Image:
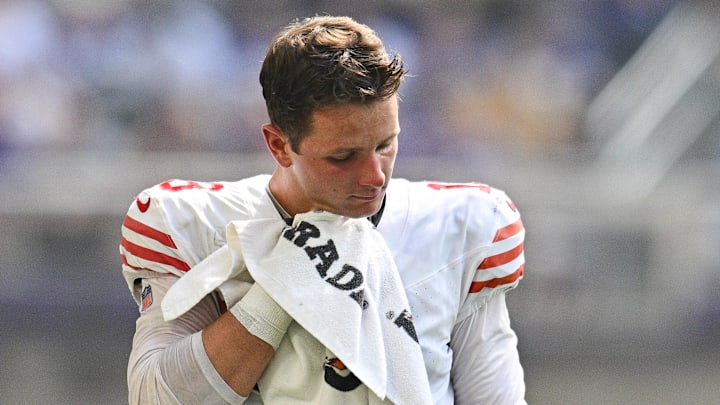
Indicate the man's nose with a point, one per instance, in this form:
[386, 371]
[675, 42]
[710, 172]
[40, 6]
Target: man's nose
[371, 172]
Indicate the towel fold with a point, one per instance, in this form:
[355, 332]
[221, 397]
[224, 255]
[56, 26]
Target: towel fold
[336, 278]
[223, 270]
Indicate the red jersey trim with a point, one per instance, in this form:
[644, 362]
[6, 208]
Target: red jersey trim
[476, 286]
[508, 231]
[126, 263]
[150, 232]
[501, 258]
[152, 255]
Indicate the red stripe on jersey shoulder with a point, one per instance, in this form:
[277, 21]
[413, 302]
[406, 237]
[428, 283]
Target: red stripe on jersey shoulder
[501, 258]
[152, 255]
[508, 231]
[476, 286]
[126, 263]
[150, 232]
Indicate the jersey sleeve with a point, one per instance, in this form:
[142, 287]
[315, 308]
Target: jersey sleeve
[168, 363]
[494, 237]
[486, 364]
[163, 233]
[502, 264]
[168, 229]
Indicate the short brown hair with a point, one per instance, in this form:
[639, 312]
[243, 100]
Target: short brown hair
[323, 61]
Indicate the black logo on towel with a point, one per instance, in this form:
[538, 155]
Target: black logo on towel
[338, 376]
[405, 321]
[348, 278]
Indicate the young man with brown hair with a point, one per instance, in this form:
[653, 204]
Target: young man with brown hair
[454, 249]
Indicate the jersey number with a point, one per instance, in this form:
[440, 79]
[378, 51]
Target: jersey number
[179, 185]
[445, 186]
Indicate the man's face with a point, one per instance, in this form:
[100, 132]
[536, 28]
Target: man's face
[345, 162]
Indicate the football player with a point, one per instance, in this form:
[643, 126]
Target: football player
[331, 94]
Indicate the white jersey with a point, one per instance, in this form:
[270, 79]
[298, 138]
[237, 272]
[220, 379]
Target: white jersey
[457, 247]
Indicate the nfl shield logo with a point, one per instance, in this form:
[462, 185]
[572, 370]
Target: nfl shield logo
[147, 298]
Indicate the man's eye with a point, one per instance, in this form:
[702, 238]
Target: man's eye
[340, 158]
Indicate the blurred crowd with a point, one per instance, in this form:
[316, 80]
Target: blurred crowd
[486, 75]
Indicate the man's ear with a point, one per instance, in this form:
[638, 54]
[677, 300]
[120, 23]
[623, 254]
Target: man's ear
[278, 144]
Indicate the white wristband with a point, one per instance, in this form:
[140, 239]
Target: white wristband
[262, 316]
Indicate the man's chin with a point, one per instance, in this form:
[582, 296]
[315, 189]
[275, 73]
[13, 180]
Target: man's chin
[366, 210]
[358, 207]
[358, 214]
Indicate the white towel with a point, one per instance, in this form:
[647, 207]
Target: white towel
[336, 277]
[215, 271]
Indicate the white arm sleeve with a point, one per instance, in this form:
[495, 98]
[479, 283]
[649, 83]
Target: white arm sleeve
[486, 365]
[168, 363]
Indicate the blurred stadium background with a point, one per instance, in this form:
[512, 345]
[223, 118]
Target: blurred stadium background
[601, 118]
